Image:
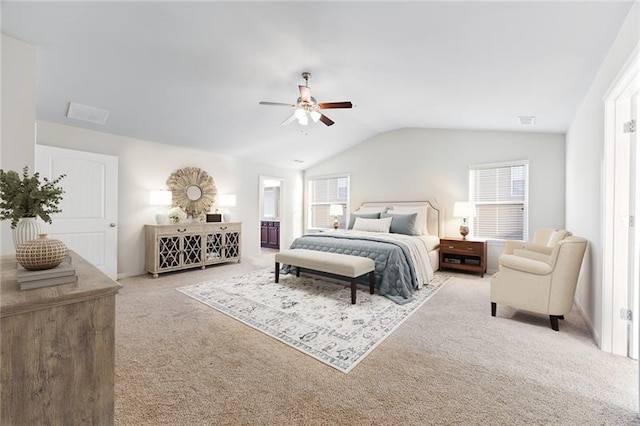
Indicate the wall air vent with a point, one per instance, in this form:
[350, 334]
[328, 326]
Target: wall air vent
[87, 113]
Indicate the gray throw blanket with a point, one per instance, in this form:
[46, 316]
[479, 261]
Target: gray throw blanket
[395, 273]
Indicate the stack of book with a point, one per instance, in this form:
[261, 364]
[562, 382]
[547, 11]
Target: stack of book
[64, 273]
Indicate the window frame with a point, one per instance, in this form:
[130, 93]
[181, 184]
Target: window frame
[525, 201]
[309, 204]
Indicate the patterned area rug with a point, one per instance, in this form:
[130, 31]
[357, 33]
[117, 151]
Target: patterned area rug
[312, 315]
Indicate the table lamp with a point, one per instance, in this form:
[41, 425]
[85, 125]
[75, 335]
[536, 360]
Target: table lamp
[464, 210]
[226, 200]
[162, 199]
[335, 210]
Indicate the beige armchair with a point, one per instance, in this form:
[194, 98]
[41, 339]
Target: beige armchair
[543, 241]
[546, 285]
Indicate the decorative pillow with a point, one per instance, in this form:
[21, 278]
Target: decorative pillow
[353, 216]
[372, 225]
[421, 219]
[367, 210]
[403, 223]
[557, 236]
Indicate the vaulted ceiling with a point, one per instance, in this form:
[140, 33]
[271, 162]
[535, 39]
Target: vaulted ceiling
[192, 73]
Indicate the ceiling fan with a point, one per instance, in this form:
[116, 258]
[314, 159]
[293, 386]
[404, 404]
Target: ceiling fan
[306, 106]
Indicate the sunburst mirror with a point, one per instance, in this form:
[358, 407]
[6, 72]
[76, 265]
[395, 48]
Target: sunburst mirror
[193, 190]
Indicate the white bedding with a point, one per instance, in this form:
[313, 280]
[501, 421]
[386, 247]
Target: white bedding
[419, 248]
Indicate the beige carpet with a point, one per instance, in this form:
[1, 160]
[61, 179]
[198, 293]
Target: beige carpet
[179, 362]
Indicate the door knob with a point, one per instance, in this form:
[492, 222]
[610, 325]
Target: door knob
[113, 225]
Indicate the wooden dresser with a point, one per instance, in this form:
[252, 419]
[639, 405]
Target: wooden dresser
[188, 245]
[58, 349]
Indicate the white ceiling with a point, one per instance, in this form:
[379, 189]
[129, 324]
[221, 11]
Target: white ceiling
[192, 73]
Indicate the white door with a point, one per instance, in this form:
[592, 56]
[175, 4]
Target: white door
[88, 222]
[634, 235]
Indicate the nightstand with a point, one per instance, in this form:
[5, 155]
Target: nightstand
[463, 255]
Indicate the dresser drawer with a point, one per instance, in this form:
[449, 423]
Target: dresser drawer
[179, 229]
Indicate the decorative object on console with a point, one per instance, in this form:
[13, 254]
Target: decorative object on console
[464, 210]
[27, 197]
[193, 190]
[214, 217]
[161, 199]
[335, 210]
[176, 215]
[226, 200]
[42, 253]
[27, 229]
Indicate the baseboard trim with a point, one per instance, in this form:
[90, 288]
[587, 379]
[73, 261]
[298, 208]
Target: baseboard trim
[587, 320]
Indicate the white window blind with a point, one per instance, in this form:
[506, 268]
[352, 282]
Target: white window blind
[323, 192]
[500, 192]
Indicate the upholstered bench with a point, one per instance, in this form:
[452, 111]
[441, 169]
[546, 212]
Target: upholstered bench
[332, 263]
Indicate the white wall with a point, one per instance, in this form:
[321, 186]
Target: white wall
[146, 165]
[17, 143]
[585, 153]
[425, 164]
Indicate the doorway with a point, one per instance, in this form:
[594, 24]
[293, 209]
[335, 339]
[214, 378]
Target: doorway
[621, 233]
[270, 208]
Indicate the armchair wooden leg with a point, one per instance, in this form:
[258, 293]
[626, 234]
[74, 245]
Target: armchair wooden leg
[493, 309]
[554, 322]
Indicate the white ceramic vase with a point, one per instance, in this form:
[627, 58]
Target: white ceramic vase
[27, 229]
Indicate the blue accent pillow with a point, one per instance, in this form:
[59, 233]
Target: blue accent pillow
[403, 223]
[352, 217]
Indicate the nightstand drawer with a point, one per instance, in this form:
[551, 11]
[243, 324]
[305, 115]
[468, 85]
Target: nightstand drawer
[463, 247]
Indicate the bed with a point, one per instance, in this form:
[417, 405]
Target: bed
[402, 238]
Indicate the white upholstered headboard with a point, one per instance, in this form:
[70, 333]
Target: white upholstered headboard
[435, 217]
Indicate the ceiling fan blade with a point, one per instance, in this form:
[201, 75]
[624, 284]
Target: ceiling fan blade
[289, 119]
[326, 120]
[305, 93]
[276, 104]
[330, 105]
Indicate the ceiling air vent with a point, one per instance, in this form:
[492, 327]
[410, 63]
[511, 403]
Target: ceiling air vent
[527, 120]
[87, 113]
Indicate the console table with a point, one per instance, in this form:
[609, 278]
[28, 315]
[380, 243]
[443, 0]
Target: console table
[189, 245]
[57, 349]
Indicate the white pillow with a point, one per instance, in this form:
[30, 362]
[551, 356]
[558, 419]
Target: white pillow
[366, 210]
[421, 219]
[556, 236]
[372, 225]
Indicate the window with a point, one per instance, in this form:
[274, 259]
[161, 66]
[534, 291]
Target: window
[500, 192]
[322, 192]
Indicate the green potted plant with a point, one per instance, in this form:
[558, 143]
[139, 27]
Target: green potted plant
[28, 197]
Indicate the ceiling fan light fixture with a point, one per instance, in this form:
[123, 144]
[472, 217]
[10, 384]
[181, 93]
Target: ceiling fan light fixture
[299, 113]
[304, 120]
[315, 115]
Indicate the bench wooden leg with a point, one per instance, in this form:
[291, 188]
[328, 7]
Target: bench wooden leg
[277, 271]
[372, 282]
[353, 291]
[297, 271]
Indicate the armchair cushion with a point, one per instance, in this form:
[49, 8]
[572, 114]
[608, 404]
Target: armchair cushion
[534, 255]
[526, 265]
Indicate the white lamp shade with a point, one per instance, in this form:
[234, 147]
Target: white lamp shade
[335, 210]
[464, 209]
[315, 115]
[226, 200]
[160, 198]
